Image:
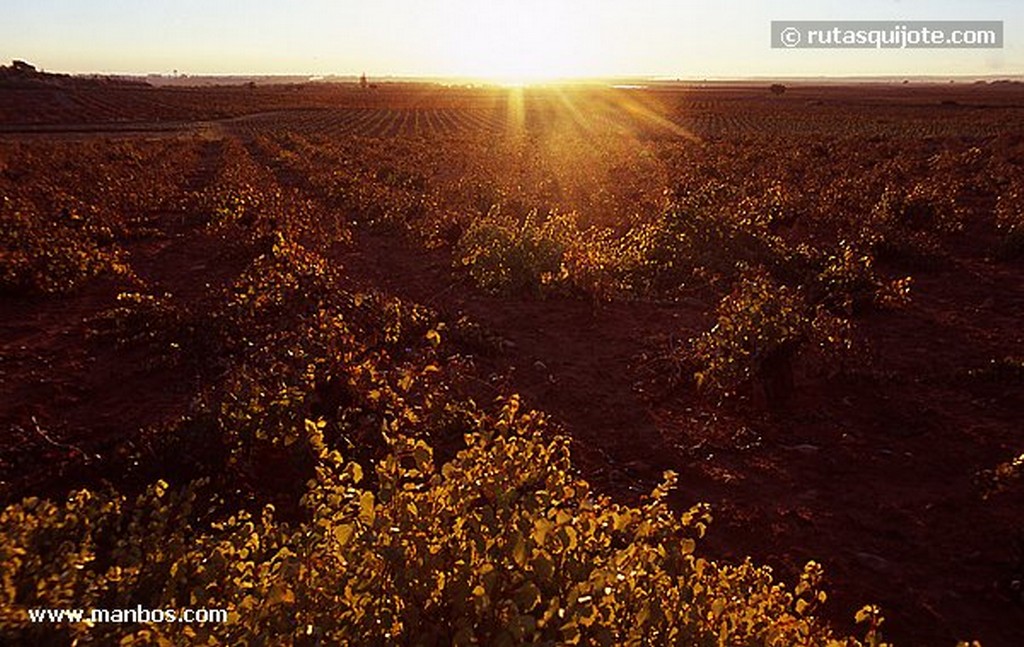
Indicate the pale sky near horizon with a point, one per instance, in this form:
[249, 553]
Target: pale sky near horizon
[477, 38]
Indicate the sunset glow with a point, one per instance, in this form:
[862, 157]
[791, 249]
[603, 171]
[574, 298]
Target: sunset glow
[506, 42]
[527, 42]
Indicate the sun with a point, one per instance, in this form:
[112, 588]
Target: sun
[525, 42]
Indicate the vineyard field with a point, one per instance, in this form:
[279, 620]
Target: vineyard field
[808, 305]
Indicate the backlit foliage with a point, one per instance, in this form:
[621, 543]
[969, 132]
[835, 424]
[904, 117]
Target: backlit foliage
[907, 224]
[52, 255]
[762, 327]
[848, 283]
[501, 545]
[507, 255]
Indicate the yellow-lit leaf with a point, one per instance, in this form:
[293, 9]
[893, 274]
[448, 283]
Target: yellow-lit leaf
[280, 594]
[367, 514]
[343, 533]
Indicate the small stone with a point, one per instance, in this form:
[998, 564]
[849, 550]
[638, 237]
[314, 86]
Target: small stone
[874, 562]
[805, 448]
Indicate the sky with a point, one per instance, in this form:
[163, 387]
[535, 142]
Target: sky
[515, 39]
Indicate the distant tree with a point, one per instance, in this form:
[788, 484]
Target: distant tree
[362, 81]
[777, 88]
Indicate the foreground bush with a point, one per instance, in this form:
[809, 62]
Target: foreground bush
[508, 255]
[909, 224]
[501, 546]
[40, 255]
[762, 327]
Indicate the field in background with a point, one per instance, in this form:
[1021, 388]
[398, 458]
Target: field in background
[808, 304]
